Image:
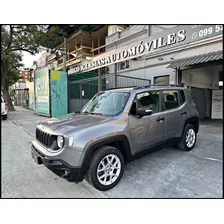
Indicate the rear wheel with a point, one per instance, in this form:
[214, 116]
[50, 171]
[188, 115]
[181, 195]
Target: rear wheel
[4, 117]
[106, 168]
[188, 139]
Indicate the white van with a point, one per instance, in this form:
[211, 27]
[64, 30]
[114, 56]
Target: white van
[4, 110]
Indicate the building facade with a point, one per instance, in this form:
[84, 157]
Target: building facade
[167, 54]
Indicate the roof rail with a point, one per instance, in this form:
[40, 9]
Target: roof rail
[148, 86]
[121, 87]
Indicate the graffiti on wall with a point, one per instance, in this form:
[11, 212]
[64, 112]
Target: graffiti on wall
[59, 100]
[58, 96]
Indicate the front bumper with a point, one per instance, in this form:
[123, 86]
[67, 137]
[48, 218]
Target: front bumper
[59, 167]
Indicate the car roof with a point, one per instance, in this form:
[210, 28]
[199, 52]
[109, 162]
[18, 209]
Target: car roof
[119, 89]
[145, 88]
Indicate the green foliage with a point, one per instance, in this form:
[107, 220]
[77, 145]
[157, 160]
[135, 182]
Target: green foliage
[18, 38]
[29, 38]
[14, 63]
[52, 37]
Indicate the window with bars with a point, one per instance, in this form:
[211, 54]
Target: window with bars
[161, 80]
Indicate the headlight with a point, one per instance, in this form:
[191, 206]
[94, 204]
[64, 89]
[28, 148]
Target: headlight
[60, 141]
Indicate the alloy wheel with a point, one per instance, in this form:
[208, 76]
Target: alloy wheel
[109, 169]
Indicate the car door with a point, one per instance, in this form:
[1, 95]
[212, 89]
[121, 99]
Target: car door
[146, 131]
[175, 111]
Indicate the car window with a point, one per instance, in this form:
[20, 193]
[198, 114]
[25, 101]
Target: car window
[149, 99]
[170, 99]
[182, 96]
[107, 103]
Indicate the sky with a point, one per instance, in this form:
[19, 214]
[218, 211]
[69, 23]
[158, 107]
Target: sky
[29, 58]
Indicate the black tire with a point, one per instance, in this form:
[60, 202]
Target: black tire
[183, 145]
[91, 175]
[4, 117]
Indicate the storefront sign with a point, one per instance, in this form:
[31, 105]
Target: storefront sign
[42, 91]
[172, 37]
[217, 104]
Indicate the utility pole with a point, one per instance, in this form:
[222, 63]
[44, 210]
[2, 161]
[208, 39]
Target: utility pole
[99, 75]
[65, 54]
[115, 76]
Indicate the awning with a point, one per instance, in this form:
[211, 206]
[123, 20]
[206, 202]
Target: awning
[197, 59]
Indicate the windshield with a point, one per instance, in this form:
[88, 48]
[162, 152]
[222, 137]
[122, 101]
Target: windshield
[107, 103]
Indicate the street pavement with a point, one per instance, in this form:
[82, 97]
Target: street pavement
[168, 173]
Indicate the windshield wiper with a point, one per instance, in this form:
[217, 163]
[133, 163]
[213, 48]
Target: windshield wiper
[92, 113]
[96, 113]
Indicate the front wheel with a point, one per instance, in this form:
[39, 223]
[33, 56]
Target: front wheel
[188, 138]
[106, 168]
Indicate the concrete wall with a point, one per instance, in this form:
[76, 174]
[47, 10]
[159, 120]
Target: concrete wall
[126, 81]
[134, 32]
[165, 58]
[160, 28]
[155, 64]
[207, 77]
[150, 72]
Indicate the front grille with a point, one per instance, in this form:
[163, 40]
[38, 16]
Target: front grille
[44, 138]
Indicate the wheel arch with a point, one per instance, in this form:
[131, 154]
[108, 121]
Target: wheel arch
[121, 142]
[194, 121]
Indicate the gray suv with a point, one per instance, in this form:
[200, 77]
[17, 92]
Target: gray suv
[113, 128]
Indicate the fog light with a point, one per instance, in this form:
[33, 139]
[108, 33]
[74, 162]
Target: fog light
[56, 163]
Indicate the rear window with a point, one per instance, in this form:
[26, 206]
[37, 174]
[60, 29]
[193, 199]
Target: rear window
[170, 99]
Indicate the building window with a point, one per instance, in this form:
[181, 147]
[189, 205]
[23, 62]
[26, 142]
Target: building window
[170, 99]
[162, 80]
[124, 65]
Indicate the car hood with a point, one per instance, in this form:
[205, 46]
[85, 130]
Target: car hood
[64, 124]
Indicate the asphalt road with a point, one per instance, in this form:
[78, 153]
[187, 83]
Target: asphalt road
[168, 173]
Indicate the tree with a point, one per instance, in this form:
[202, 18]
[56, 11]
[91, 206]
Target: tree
[19, 38]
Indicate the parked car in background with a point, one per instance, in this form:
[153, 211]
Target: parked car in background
[4, 110]
[113, 128]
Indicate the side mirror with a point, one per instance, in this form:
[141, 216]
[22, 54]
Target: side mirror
[141, 112]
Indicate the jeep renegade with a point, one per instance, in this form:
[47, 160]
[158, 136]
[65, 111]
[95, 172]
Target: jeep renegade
[113, 128]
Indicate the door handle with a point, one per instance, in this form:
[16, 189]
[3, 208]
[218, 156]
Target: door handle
[160, 119]
[183, 113]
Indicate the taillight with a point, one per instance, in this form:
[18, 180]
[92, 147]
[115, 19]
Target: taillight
[6, 106]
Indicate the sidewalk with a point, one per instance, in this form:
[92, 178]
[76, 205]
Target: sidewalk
[25, 119]
[21, 176]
